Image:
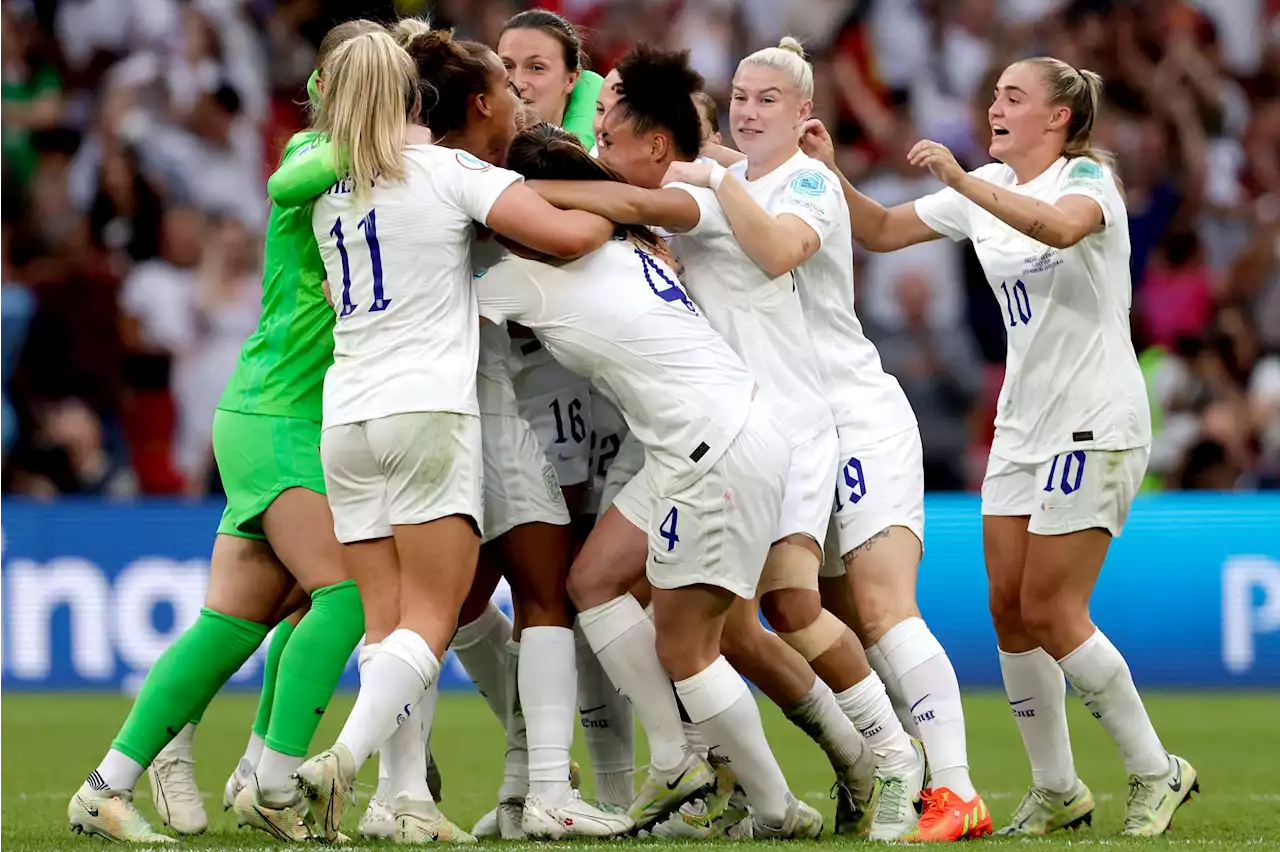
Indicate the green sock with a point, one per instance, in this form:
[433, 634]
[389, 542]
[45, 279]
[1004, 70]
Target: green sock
[184, 680]
[269, 671]
[311, 664]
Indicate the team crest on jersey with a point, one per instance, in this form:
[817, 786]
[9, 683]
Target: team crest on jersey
[809, 183]
[475, 164]
[552, 482]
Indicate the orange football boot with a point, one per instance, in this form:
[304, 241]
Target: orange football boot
[945, 817]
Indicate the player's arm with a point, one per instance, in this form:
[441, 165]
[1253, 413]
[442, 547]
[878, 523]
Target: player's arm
[673, 209]
[522, 215]
[301, 178]
[1061, 224]
[722, 155]
[875, 227]
[775, 243]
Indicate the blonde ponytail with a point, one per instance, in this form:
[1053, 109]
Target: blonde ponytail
[370, 87]
[789, 58]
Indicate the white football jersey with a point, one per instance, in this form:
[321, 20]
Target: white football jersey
[761, 318]
[1072, 380]
[495, 392]
[399, 268]
[619, 316]
[866, 401]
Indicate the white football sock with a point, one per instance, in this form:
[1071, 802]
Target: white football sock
[693, 736]
[928, 682]
[116, 772]
[548, 681]
[405, 757]
[481, 647]
[607, 726]
[252, 752]
[624, 640]
[819, 716]
[867, 705]
[515, 767]
[391, 683]
[276, 788]
[901, 707]
[1037, 696]
[1102, 677]
[720, 704]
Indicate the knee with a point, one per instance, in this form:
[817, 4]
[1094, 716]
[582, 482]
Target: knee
[738, 641]
[789, 610]
[1046, 616]
[1006, 610]
[585, 589]
[679, 660]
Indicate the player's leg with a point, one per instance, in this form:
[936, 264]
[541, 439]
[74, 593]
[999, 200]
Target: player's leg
[428, 466]
[1033, 683]
[880, 572]
[708, 543]
[608, 725]
[623, 639]
[1085, 503]
[243, 772]
[247, 586]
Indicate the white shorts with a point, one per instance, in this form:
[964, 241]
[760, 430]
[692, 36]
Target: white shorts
[1073, 491]
[520, 485]
[878, 486]
[717, 530]
[627, 467]
[806, 505]
[403, 469]
[608, 429]
[557, 404]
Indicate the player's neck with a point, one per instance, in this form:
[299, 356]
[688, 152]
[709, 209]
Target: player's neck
[476, 142]
[1031, 164]
[765, 165]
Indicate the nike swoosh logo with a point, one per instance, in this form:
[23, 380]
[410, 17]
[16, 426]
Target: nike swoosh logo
[93, 812]
[319, 711]
[671, 785]
[1068, 802]
[917, 704]
[1176, 784]
[272, 828]
[591, 710]
[1020, 701]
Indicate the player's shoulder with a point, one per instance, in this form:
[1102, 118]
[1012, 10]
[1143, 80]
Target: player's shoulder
[809, 177]
[300, 143]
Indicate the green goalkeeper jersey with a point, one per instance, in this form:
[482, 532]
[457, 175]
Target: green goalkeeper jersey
[282, 364]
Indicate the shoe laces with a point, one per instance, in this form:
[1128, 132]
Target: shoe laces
[933, 804]
[893, 800]
[1140, 791]
[179, 778]
[1034, 799]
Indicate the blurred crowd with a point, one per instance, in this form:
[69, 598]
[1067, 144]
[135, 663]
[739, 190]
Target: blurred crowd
[137, 135]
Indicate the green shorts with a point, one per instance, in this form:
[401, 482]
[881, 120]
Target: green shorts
[259, 456]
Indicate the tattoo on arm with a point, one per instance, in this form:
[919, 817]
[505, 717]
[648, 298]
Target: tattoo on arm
[852, 555]
[1035, 229]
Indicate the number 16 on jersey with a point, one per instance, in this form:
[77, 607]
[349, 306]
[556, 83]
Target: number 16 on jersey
[369, 224]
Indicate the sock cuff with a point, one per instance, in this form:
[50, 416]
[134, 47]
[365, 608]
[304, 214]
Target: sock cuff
[544, 636]
[862, 692]
[711, 691]
[478, 628]
[1094, 665]
[605, 623]
[812, 697]
[249, 631]
[324, 591]
[412, 650]
[366, 654]
[908, 645]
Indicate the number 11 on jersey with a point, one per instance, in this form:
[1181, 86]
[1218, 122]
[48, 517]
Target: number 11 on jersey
[369, 224]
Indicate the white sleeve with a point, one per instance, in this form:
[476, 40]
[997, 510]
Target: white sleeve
[505, 292]
[711, 219]
[946, 212]
[1086, 177]
[814, 198]
[472, 185]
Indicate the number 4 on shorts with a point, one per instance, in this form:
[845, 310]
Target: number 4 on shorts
[667, 529]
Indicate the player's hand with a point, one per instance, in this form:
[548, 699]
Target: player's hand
[328, 294]
[816, 142]
[938, 159]
[694, 174]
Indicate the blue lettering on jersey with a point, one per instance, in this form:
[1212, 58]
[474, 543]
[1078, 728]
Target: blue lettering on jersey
[809, 183]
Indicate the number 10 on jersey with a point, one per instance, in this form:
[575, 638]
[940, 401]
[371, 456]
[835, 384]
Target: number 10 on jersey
[1016, 302]
[369, 224]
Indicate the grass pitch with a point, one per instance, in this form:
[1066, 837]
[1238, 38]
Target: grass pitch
[50, 742]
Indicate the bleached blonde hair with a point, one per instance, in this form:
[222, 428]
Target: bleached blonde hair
[370, 85]
[789, 58]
